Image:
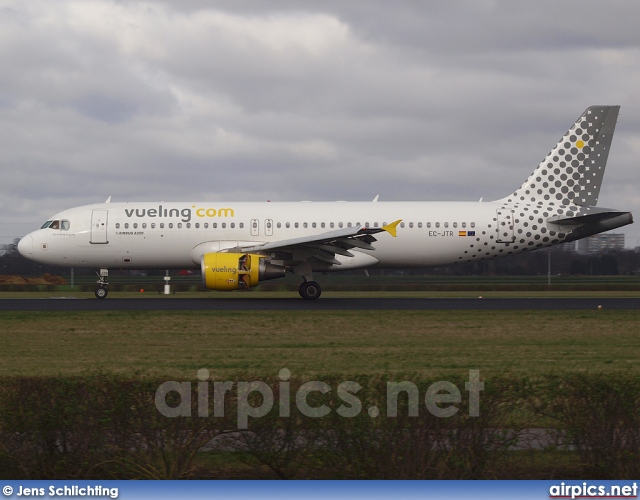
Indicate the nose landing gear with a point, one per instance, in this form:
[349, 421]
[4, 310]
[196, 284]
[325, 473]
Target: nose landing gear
[103, 282]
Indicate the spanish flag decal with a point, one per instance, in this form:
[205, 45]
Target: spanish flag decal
[462, 233]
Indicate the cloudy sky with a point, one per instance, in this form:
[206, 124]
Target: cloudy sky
[294, 100]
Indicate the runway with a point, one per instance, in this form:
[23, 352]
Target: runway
[323, 304]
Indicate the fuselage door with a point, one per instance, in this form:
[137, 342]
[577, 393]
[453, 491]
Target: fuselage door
[268, 227]
[99, 220]
[506, 232]
[255, 227]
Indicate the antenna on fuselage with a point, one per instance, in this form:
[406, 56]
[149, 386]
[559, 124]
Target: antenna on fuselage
[108, 200]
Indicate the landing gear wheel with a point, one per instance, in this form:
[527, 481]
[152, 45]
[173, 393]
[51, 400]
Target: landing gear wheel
[309, 290]
[101, 293]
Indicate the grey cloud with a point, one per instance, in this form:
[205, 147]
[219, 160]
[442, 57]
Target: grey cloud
[311, 100]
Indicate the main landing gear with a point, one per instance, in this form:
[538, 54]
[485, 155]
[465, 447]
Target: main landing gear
[309, 290]
[103, 282]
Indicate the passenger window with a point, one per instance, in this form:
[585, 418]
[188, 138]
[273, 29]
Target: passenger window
[126, 225]
[233, 225]
[411, 225]
[144, 225]
[153, 225]
[214, 225]
[279, 225]
[375, 224]
[241, 225]
[348, 224]
[322, 225]
[197, 226]
[419, 224]
[288, 225]
[340, 224]
[117, 225]
[135, 225]
[473, 224]
[429, 225]
[296, 225]
[437, 224]
[331, 224]
[224, 225]
[188, 225]
[206, 225]
[162, 225]
[313, 225]
[455, 224]
[170, 225]
[402, 224]
[464, 224]
[446, 224]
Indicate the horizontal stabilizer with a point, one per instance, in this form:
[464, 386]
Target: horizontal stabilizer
[585, 219]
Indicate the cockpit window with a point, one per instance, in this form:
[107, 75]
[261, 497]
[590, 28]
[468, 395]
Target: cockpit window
[63, 224]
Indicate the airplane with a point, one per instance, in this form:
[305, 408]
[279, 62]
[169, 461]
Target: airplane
[239, 245]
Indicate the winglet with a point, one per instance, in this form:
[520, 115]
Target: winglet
[391, 228]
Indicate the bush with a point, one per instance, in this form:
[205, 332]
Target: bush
[103, 426]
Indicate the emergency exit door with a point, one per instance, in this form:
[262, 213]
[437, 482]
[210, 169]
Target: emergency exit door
[506, 230]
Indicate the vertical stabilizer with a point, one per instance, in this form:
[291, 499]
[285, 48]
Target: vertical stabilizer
[572, 172]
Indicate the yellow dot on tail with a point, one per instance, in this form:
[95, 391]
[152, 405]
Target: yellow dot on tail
[580, 144]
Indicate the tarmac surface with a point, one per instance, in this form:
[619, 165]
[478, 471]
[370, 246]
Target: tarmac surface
[322, 304]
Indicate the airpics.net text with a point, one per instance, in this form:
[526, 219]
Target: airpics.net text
[256, 399]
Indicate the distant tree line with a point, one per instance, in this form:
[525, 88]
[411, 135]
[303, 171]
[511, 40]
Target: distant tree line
[565, 262]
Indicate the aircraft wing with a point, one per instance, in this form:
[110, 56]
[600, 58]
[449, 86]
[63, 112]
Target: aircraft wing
[324, 246]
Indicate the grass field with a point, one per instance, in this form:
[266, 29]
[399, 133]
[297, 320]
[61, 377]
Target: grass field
[430, 343]
[78, 402]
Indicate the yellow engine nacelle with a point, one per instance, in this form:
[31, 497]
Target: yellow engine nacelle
[236, 271]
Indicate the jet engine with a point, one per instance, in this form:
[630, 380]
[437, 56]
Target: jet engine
[236, 271]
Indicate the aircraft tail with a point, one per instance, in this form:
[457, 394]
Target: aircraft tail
[572, 172]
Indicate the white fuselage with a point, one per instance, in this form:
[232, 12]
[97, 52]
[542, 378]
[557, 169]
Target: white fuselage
[162, 235]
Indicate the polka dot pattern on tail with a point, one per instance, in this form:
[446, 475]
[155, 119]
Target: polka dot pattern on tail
[572, 172]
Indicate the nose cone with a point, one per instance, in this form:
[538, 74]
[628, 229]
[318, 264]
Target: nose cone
[25, 246]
